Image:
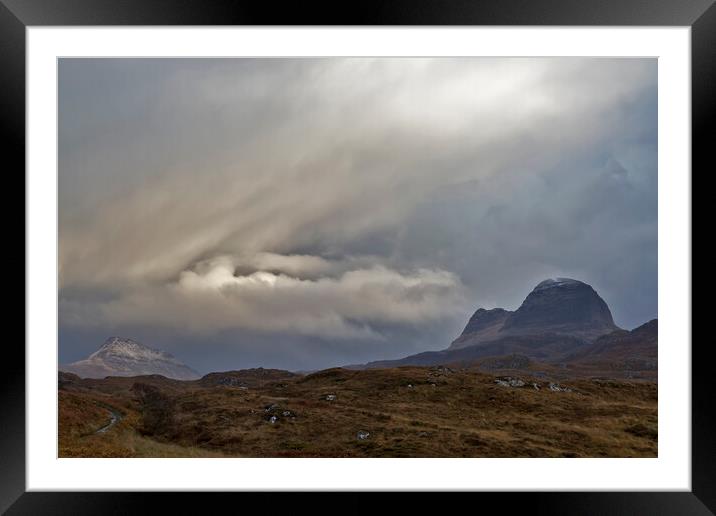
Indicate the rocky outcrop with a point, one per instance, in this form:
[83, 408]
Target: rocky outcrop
[510, 382]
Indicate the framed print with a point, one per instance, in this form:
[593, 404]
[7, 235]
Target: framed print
[445, 248]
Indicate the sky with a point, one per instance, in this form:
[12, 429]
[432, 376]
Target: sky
[305, 213]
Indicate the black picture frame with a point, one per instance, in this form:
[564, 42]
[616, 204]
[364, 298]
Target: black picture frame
[16, 15]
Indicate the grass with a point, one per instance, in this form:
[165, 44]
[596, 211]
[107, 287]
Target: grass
[458, 414]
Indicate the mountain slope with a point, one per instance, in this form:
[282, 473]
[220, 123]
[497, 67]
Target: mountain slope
[546, 347]
[125, 357]
[561, 306]
[484, 325]
[636, 349]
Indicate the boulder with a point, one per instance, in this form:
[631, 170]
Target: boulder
[510, 382]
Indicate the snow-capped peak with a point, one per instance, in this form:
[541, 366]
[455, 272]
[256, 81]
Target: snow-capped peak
[556, 282]
[128, 348]
[120, 356]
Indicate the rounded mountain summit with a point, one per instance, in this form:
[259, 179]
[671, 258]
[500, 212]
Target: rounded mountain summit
[561, 306]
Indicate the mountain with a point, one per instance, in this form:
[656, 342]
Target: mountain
[561, 321]
[636, 349]
[484, 325]
[561, 306]
[548, 347]
[125, 357]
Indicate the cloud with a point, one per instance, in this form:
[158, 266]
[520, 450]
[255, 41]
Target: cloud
[349, 149]
[332, 197]
[211, 298]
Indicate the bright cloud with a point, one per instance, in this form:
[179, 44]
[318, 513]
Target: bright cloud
[212, 298]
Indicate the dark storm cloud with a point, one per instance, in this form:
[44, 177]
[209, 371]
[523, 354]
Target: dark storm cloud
[324, 211]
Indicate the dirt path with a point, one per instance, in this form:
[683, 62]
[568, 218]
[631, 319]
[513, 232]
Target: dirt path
[115, 417]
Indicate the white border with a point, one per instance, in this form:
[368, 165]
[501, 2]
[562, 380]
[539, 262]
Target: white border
[670, 471]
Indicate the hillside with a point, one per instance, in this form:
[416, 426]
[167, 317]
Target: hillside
[398, 412]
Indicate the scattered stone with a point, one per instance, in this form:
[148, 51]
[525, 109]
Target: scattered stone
[558, 388]
[288, 413]
[434, 385]
[271, 407]
[410, 386]
[536, 386]
[330, 397]
[510, 382]
[273, 419]
[362, 435]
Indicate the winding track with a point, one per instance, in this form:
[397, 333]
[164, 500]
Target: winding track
[115, 417]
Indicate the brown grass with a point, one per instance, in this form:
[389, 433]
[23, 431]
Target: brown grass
[443, 414]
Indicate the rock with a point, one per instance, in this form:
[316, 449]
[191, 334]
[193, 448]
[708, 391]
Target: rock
[410, 386]
[536, 386]
[330, 397]
[510, 382]
[362, 435]
[288, 413]
[271, 407]
[273, 419]
[558, 388]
